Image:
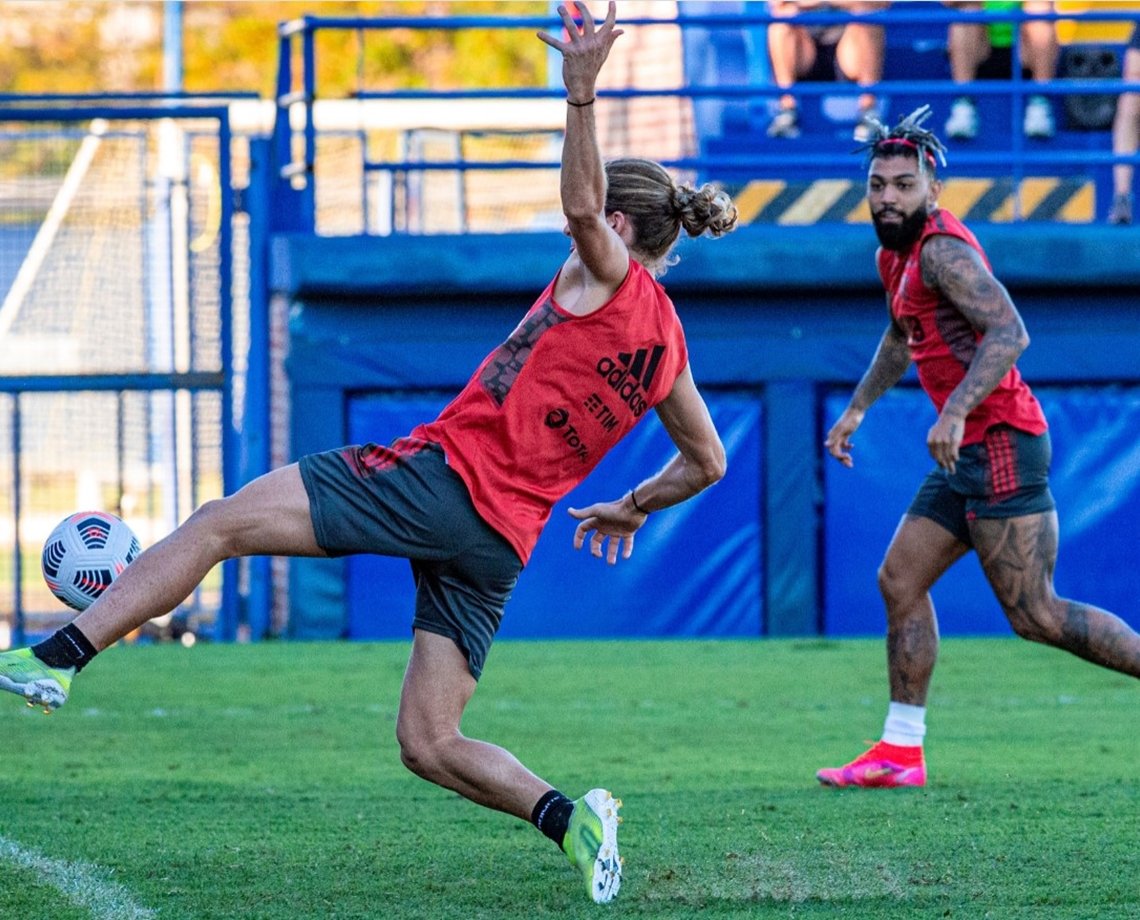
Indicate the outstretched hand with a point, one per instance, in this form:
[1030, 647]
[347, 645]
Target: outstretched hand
[584, 50]
[611, 521]
[838, 442]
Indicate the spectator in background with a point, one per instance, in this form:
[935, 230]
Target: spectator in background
[1125, 133]
[984, 51]
[851, 53]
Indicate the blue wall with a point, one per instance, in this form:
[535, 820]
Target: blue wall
[568, 594]
[781, 323]
[1095, 480]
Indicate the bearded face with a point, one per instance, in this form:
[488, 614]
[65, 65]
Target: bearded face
[901, 195]
[897, 230]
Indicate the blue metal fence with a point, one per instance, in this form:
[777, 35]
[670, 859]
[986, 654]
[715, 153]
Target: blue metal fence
[730, 150]
[205, 371]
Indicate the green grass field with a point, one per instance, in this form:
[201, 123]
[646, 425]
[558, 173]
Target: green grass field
[264, 782]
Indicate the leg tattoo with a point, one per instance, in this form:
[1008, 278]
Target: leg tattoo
[912, 649]
[1019, 556]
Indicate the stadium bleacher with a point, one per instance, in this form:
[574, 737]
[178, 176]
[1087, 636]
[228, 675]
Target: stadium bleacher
[700, 94]
[785, 182]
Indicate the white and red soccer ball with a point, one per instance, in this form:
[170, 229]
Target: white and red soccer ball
[84, 554]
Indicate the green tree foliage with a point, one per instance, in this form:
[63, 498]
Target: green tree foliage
[50, 48]
[69, 46]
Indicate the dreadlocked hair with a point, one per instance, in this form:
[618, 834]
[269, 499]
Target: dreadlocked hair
[907, 138]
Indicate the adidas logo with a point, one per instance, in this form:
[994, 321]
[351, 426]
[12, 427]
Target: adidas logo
[631, 375]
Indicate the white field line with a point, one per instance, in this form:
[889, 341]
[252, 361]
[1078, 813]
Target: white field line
[83, 884]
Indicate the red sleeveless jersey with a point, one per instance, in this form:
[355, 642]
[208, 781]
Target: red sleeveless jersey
[544, 407]
[943, 342]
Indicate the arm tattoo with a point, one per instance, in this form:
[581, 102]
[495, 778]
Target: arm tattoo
[891, 360]
[956, 271]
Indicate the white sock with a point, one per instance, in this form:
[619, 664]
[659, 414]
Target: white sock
[905, 725]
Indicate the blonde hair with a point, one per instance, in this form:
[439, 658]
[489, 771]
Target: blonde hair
[658, 208]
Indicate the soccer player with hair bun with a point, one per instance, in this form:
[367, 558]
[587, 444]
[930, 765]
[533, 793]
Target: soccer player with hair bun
[465, 497]
[989, 489]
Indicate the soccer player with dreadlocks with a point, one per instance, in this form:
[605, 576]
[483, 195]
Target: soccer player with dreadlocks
[989, 490]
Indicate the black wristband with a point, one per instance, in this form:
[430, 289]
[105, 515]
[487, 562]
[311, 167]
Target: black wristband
[633, 498]
[579, 105]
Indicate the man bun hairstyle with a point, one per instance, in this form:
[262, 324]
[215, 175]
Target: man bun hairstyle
[907, 138]
[707, 209]
[659, 208]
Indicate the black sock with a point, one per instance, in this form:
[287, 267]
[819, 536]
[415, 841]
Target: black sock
[552, 815]
[66, 648]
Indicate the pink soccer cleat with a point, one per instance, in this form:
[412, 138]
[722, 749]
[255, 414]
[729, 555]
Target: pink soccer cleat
[884, 766]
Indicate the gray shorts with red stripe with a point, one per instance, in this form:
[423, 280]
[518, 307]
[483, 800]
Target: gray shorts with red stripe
[404, 500]
[1004, 476]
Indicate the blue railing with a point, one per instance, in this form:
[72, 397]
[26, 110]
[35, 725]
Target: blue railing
[730, 152]
[63, 101]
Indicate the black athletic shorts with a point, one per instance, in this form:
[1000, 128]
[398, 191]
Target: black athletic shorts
[825, 68]
[1006, 475]
[404, 500]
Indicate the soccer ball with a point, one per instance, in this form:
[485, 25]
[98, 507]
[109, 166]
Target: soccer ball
[84, 554]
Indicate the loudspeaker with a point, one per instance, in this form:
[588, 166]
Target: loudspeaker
[1091, 62]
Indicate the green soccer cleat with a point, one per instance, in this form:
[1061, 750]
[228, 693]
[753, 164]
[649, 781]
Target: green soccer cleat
[23, 673]
[591, 843]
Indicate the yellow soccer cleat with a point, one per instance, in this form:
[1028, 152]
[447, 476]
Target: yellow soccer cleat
[591, 843]
[23, 673]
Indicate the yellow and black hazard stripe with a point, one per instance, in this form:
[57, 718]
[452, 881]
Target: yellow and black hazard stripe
[1068, 199]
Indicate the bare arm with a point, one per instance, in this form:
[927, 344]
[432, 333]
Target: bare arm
[603, 259]
[699, 462]
[957, 271]
[700, 459]
[892, 358]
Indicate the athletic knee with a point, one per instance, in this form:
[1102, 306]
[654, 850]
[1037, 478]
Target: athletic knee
[421, 752]
[215, 526]
[413, 755]
[1043, 622]
[897, 587]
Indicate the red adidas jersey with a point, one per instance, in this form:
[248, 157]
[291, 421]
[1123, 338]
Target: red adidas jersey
[943, 342]
[544, 407]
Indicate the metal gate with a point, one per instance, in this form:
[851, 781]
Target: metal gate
[119, 387]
